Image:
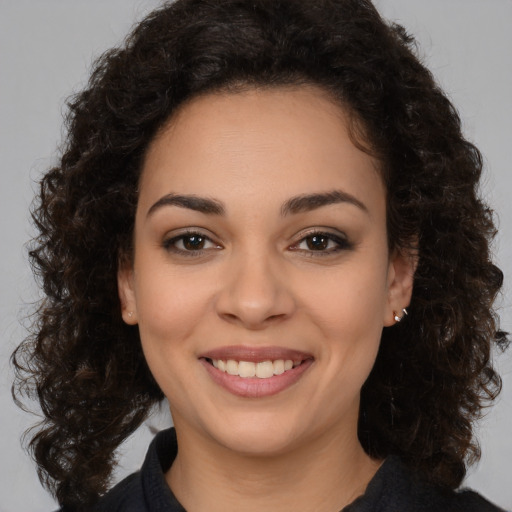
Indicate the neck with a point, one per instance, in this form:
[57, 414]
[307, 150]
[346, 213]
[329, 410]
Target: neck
[325, 474]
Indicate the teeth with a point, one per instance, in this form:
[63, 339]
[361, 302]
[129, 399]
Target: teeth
[247, 369]
[264, 370]
[278, 367]
[232, 367]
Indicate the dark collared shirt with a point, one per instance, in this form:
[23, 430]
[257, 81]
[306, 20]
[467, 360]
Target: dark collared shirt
[393, 489]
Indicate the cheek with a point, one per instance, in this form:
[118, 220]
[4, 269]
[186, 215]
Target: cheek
[170, 306]
[353, 298]
[349, 310]
[170, 309]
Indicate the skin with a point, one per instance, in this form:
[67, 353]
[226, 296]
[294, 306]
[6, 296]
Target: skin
[258, 282]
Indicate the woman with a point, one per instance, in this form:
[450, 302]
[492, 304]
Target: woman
[265, 212]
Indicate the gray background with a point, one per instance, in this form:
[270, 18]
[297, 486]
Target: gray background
[46, 48]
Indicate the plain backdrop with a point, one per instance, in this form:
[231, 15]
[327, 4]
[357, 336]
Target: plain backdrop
[46, 50]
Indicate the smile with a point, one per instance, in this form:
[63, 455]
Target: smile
[255, 372]
[248, 369]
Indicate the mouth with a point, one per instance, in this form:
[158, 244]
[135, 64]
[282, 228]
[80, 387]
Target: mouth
[249, 369]
[256, 372]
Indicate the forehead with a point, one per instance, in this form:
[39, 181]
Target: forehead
[287, 141]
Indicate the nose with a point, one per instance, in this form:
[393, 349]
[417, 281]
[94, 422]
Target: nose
[255, 293]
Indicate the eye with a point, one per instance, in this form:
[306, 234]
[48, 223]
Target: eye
[321, 243]
[318, 243]
[190, 242]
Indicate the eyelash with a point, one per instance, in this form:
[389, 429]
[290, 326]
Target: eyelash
[341, 244]
[170, 244]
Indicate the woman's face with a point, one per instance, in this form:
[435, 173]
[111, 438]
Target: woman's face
[260, 245]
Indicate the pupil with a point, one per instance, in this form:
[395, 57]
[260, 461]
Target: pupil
[193, 242]
[316, 243]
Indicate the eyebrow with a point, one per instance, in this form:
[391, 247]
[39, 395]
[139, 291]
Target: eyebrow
[298, 204]
[191, 202]
[308, 202]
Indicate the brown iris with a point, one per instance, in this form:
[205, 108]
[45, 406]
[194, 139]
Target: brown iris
[317, 242]
[193, 242]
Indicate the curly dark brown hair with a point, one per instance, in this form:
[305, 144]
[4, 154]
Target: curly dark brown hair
[433, 373]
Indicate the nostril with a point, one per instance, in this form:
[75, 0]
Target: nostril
[229, 316]
[276, 317]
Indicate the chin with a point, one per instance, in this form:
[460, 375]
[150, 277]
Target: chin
[257, 435]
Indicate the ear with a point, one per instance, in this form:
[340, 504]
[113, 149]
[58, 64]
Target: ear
[402, 266]
[125, 287]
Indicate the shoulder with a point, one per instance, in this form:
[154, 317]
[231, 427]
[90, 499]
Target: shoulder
[395, 487]
[146, 489]
[427, 498]
[126, 496]
[471, 500]
[421, 496]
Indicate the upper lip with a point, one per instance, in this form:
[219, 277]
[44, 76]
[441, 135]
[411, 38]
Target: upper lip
[255, 354]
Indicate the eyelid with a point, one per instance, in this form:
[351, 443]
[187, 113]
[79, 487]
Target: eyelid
[170, 240]
[340, 238]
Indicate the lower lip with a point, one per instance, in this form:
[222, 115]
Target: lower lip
[254, 387]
